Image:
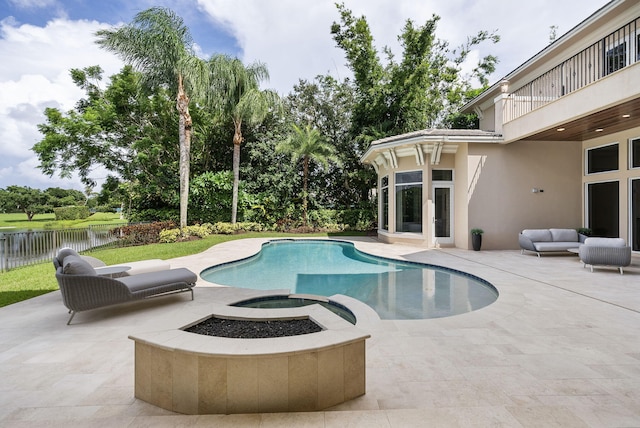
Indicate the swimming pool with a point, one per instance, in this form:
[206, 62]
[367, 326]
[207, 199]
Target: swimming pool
[394, 289]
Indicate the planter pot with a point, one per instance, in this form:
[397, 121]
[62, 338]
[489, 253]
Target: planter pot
[476, 242]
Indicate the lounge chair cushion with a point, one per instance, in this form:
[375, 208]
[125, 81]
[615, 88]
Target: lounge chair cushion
[75, 265]
[96, 263]
[136, 283]
[64, 252]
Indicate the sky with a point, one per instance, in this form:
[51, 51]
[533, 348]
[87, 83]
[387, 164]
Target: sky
[41, 40]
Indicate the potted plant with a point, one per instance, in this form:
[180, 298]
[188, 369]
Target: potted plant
[584, 231]
[476, 238]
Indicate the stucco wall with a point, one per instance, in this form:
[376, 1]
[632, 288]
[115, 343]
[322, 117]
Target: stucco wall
[500, 180]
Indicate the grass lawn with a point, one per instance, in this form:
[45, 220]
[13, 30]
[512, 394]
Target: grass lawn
[18, 221]
[30, 281]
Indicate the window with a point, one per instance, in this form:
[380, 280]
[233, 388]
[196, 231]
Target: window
[634, 153]
[384, 201]
[442, 175]
[602, 159]
[616, 58]
[409, 202]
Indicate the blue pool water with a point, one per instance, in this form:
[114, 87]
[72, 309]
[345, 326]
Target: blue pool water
[394, 289]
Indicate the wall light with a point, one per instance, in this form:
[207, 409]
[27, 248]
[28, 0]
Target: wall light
[560, 129]
[504, 86]
[599, 130]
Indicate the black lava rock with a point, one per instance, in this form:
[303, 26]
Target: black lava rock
[248, 329]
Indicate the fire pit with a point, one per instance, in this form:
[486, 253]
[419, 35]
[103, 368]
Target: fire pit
[201, 374]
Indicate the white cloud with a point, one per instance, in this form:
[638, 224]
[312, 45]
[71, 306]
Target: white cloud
[32, 4]
[35, 77]
[293, 37]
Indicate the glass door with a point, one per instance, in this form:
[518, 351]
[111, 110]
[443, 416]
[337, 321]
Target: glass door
[634, 223]
[603, 208]
[442, 213]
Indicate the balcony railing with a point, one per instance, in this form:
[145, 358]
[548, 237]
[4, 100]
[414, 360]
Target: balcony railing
[614, 52]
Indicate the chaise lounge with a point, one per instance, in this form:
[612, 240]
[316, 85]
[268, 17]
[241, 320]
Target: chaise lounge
[82, 288]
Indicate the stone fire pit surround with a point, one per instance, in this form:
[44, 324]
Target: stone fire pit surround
[197, 374]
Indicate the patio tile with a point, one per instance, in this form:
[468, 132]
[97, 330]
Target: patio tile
[559, 348]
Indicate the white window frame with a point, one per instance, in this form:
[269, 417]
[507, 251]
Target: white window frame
[381, 214]
[395, 199]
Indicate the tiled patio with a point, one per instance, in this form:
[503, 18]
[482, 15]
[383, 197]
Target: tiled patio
[560, 348]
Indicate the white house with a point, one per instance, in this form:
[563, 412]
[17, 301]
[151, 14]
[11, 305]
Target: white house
[558, 146]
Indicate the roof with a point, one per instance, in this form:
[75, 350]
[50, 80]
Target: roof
[428, 137]
[459, 135]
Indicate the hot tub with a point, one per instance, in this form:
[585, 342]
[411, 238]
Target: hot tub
[198, 374]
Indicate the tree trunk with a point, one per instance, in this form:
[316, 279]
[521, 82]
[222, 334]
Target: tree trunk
[305, 185]
[237, 140]
[185, 123]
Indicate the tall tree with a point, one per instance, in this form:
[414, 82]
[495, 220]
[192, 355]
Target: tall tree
[158, 44]
[421, 90]
[307, 144]
[236, 92]
[327, 105]
[122, 129]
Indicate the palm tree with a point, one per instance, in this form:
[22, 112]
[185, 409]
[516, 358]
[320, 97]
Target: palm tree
[236, 92]
[307, 143]
[159, 45]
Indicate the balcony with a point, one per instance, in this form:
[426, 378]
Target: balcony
[612, 53]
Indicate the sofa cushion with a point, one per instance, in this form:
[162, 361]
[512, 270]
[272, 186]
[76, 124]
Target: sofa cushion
[538, 235]
[564, 235]
[74, 265]
[605, 242]
[554, 246]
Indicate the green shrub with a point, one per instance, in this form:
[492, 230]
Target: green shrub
[104, 209]
[142, 234]
[175, 235]
[249, 227]
[153, 214]
[71, 213]
[201, 231]
[223, 228]
[169, 236]
[362, 219]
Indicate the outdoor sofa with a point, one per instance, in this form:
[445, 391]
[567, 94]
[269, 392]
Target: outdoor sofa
[549, 240]
[82, 288]
[605, 252]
